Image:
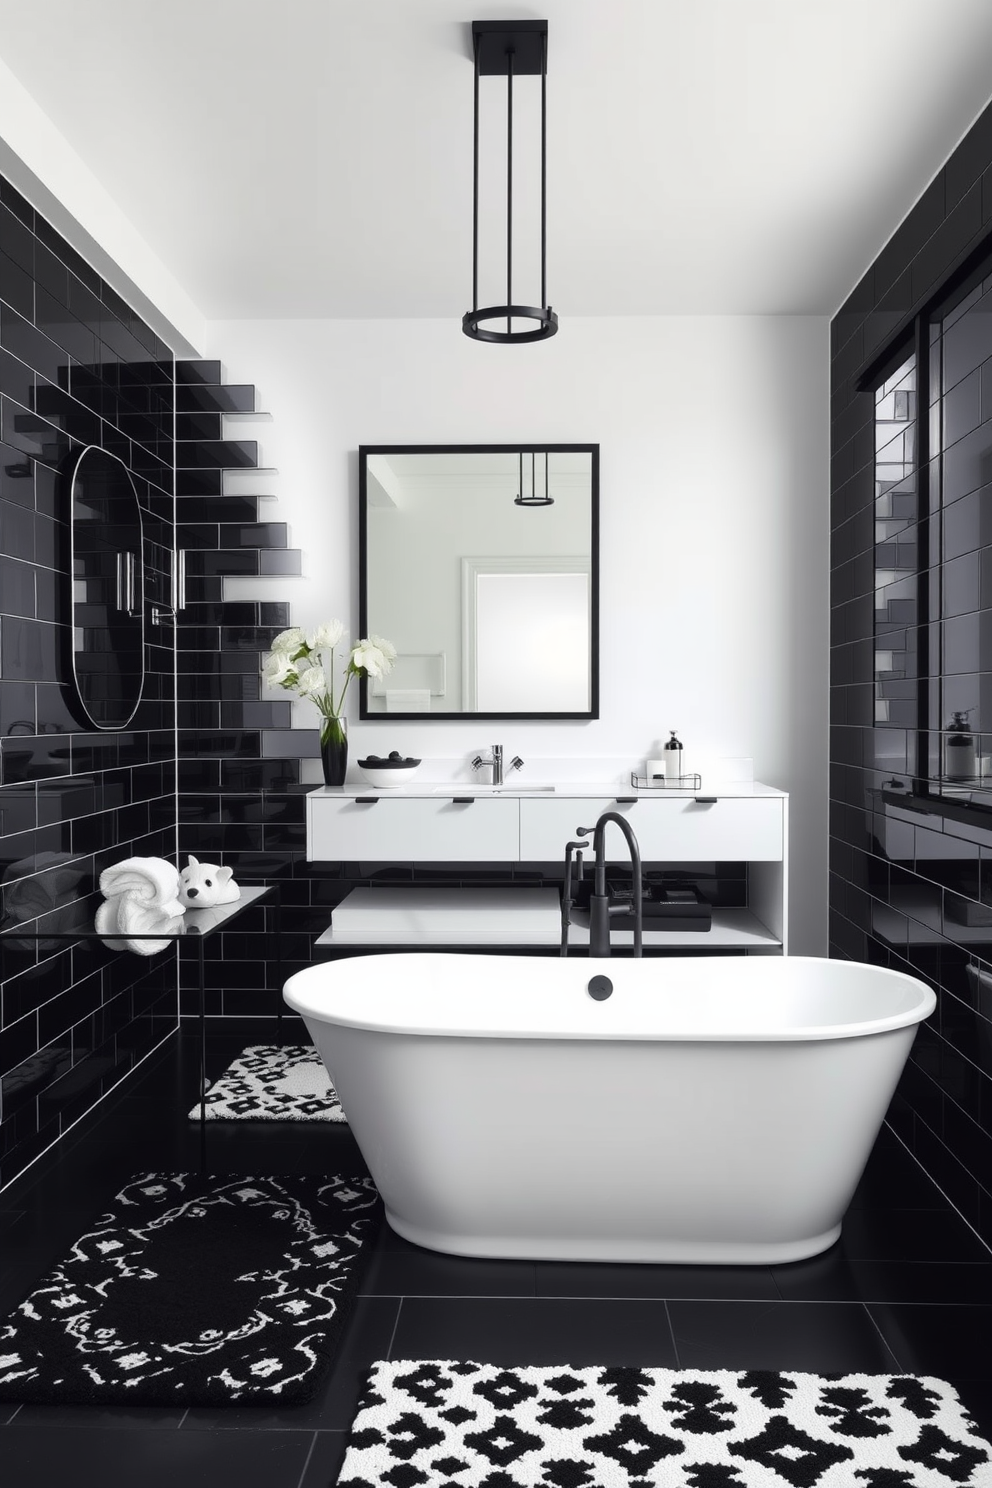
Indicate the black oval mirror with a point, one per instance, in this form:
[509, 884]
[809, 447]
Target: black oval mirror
[107, 577]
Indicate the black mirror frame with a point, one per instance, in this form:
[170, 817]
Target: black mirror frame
[364, 450]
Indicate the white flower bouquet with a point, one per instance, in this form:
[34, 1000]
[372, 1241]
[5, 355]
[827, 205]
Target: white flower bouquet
[303, 661]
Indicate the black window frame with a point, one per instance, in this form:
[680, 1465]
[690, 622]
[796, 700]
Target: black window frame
[912, 338]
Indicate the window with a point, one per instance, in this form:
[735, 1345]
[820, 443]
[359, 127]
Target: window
[933, 549]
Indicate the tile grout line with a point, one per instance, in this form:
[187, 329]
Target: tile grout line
[396, 1323]
[937, 1186]
[671, 1333]
[885, 1342]
[306, 1463]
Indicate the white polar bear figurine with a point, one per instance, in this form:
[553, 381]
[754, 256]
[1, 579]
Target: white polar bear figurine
[202, 885]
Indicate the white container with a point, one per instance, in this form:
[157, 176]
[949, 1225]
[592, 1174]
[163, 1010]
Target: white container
[710, 1110]
[655, 769]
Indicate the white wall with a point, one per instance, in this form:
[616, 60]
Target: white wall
[714, 535]
[43, 165]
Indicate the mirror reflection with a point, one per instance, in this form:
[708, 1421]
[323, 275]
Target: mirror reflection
[479, 563]
[107, 589]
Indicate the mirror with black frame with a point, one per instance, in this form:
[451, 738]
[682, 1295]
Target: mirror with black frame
[479, 563]
[106, 578]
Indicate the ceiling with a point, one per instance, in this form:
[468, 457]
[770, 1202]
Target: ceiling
[308, 158]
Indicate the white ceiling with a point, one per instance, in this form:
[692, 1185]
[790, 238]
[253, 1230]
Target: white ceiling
[314, 157]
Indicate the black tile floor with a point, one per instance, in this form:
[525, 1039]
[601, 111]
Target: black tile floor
[907, 1288]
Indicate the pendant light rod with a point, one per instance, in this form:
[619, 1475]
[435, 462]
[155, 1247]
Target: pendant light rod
[533, 499]
[544, 170]
[509, 188]
[510, 49]
[475, 184]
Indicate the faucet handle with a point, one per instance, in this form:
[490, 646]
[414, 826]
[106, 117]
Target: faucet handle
[516, 763]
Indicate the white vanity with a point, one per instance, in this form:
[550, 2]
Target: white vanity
[516, 823]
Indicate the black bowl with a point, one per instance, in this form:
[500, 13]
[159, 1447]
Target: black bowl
[387, 764]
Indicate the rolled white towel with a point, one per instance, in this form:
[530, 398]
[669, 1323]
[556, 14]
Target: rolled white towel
[126, 924]
[153, 882]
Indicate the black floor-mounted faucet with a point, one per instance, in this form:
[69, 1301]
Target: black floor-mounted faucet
[600, 905]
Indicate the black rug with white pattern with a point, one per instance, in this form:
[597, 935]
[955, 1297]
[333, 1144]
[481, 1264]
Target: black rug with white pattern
[273, 1082]
[463, 1425]
[196, 1291]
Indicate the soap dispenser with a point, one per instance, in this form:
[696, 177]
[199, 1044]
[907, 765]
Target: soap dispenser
[960, 755]
[672, 752]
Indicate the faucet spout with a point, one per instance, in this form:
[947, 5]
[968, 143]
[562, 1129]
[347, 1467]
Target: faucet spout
[600, 907]
[495, 761]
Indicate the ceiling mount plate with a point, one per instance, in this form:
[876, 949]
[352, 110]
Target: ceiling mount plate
[495, 39]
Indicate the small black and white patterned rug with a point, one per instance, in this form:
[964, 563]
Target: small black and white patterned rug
[196, 1291]
[273, 1082]
[452, 1425]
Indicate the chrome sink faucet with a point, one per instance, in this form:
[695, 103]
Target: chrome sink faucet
[496, 761]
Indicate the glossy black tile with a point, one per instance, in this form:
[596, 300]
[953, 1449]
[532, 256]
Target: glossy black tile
[198, 371]
[818, 1337]
[20, 337]
[16, 286]
[938, 1339]
[535, 1331]
[112, 1457]
[226, 454]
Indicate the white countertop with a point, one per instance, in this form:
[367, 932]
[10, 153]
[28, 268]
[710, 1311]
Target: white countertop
[537, 791]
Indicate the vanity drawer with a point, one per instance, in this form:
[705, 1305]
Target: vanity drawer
[731, 828]
[413, 830]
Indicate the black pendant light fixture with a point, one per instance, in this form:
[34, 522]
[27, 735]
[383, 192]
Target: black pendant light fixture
[534, 499]
[510, 49]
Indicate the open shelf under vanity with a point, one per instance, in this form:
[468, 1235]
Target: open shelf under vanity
[419, 870]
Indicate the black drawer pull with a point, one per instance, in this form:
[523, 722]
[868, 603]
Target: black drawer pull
[705, 800]
[626, 800]
[462, 800]
[367, 800]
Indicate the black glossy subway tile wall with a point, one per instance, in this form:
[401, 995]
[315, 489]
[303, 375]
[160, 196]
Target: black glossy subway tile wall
[911, 880]
[78, 366]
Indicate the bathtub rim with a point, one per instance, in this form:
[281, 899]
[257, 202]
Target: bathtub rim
[307, 1005]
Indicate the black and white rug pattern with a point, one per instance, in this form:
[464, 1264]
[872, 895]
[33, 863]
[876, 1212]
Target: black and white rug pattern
[464, 1425]
[273, 1082]
[195, 1291]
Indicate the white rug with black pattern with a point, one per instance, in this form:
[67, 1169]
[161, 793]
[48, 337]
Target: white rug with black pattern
[273, 1082]
[462, 1425]
[196, 1291]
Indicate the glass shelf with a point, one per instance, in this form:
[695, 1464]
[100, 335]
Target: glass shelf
[75, 921]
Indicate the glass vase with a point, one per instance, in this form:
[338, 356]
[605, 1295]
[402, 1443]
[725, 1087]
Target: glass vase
[334, 750]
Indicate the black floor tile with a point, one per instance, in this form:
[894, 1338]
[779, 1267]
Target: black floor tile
[947, 1341]
[367, 1338]
[543, 1330]
[396, 1269]
[976, 1395]
[100, 1417]
[569, 1279]
[833, 1277]
[325, 1459]
[892, 1179]
[112, 1458]
[908, 1287]
[910, 1235]
[812, 1336]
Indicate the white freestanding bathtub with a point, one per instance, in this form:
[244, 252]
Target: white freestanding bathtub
[710, 1110]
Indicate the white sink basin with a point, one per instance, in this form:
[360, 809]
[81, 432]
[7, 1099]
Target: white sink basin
[491, 790]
